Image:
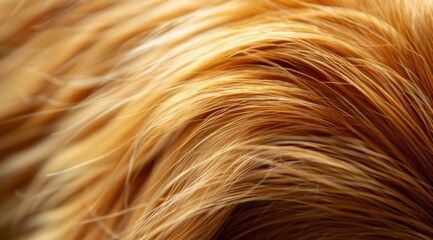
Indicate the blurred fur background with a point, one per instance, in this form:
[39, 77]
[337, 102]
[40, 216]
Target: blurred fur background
[194, 119]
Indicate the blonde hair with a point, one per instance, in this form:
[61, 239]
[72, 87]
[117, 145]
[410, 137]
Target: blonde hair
[244, 119]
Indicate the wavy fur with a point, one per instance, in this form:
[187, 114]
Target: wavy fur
[244, 119]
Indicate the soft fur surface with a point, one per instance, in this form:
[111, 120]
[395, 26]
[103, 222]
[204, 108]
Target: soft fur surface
[190, 119]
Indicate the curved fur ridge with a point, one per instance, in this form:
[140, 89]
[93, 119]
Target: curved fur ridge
[258, 119]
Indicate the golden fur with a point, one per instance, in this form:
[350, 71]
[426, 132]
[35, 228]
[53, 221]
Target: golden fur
[191, 119]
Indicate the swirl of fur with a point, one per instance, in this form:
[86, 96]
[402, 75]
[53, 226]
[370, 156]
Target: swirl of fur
[190, 119]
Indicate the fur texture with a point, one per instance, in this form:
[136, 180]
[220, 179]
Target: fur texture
[190, 119]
